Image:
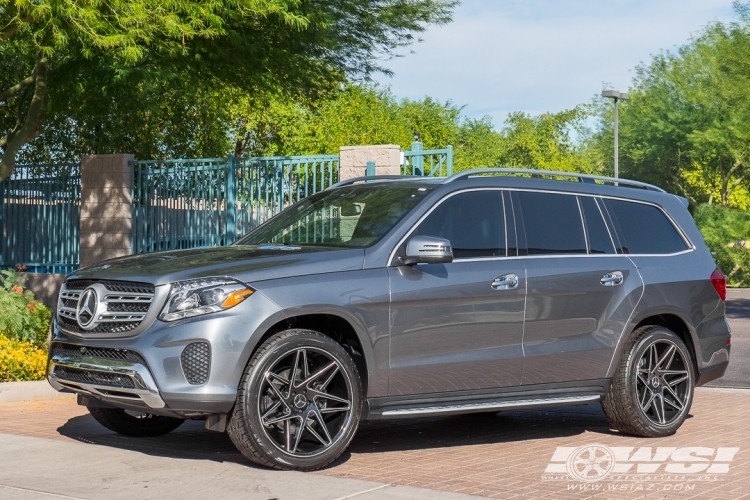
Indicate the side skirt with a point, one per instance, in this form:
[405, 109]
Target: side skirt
[520, 397]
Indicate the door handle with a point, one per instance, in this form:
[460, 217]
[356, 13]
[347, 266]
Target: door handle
[612, 279]
[505, 282]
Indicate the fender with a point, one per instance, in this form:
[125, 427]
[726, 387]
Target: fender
[373, 349]
[641, 314]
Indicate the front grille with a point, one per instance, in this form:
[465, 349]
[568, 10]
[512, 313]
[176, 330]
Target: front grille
[86, 352]
[93, 377]
[126, 304]
[196, 362]
[112, 286]
[125, 307]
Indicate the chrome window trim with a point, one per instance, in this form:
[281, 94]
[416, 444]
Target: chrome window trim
[685, 239]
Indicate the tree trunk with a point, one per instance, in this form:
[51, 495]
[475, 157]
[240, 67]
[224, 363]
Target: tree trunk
[28, 128]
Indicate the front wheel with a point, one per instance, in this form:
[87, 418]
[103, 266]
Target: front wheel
[298, 403]
[135, 424]
[652, 389]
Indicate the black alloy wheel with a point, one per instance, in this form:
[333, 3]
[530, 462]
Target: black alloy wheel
[299, 402]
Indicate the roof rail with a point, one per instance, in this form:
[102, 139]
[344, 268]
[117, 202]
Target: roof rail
[581, 177]
[365, 178]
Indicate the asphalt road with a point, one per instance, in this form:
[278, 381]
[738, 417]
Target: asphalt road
[738, 314]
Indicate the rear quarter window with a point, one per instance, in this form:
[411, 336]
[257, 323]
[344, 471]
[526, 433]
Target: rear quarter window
[644, 229]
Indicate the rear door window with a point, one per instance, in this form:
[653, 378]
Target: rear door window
[644, 229]
[552, 223]
[596, 229]
[473, 221]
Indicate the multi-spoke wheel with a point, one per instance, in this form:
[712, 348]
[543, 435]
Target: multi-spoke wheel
[652, 389]
[299, 402]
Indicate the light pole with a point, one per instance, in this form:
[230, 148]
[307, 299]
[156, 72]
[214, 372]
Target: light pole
[616, 97]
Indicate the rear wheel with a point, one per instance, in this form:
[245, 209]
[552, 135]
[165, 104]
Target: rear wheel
[298, 403]
[135, 424]
[652, 390]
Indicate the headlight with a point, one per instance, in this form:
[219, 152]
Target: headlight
[202, 296]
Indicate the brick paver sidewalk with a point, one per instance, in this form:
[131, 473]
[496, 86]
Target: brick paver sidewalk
[494, 455]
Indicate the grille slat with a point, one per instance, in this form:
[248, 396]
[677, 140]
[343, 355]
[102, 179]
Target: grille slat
[96, 352]
[125, 307]
[93, 377]
[127, 303]
[112, 286]
[196, 362]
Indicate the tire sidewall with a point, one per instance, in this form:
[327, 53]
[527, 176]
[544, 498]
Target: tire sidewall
[253, 378]
[635, 355]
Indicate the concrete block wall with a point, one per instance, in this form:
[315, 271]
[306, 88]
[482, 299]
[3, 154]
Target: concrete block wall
[106, 207]
[353, 160]
[45, 287]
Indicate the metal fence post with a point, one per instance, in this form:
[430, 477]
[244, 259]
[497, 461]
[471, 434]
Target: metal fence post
[370, 169]
[450, 160]
[230, 201]
[417, 161]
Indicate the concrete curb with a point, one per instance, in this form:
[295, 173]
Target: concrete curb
[728, 390]
[11, 392]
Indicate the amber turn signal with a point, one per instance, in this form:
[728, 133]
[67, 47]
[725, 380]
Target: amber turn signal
[235, 298]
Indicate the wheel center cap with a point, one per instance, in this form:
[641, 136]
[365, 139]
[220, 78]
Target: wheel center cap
[655, 381]
[300, 401]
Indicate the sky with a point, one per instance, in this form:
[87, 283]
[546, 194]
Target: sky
[538, 56]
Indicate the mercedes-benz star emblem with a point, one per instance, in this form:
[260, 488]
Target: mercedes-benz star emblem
[86, 310]
[300, 401]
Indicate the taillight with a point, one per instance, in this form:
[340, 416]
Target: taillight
[719, 281]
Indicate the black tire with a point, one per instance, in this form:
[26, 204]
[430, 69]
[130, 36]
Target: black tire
[644, 401]
[127, 424]
[293, 436]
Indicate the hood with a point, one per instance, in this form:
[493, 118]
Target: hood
[245, 263]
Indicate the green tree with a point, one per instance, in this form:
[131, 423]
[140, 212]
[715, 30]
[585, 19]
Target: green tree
[546, 142]
[686, 126]
[128, 54]
[359, 115]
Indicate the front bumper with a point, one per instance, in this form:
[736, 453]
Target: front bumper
[111, 380]
[152, 376]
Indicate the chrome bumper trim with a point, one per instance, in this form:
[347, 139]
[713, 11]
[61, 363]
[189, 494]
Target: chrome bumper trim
[145, 386]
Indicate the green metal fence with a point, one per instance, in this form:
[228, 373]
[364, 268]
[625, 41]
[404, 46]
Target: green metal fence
[427, 162]
[176, 203]
[40, 218]
[181, 204]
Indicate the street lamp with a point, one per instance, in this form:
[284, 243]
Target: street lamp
[616, 97]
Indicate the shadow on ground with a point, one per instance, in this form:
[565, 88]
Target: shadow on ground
[192, 441]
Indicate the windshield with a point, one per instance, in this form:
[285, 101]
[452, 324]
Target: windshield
[355, 216]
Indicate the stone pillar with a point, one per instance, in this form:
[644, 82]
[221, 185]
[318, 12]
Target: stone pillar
[106, 207]
[353, 160]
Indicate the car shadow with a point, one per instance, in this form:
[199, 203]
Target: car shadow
[192, 441]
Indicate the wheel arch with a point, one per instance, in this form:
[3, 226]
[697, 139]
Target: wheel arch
[671, 319]
[334, 324]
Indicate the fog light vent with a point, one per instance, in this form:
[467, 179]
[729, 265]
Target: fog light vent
[196, 362]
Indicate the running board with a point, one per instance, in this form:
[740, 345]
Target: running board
[492, 405]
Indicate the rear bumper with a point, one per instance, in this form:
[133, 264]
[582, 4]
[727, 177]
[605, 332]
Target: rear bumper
[712, 373]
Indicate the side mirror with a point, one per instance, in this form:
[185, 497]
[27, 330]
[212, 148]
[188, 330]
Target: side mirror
[427, 250]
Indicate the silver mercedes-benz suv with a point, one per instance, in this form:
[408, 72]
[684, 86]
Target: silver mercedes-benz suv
[390, 298]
